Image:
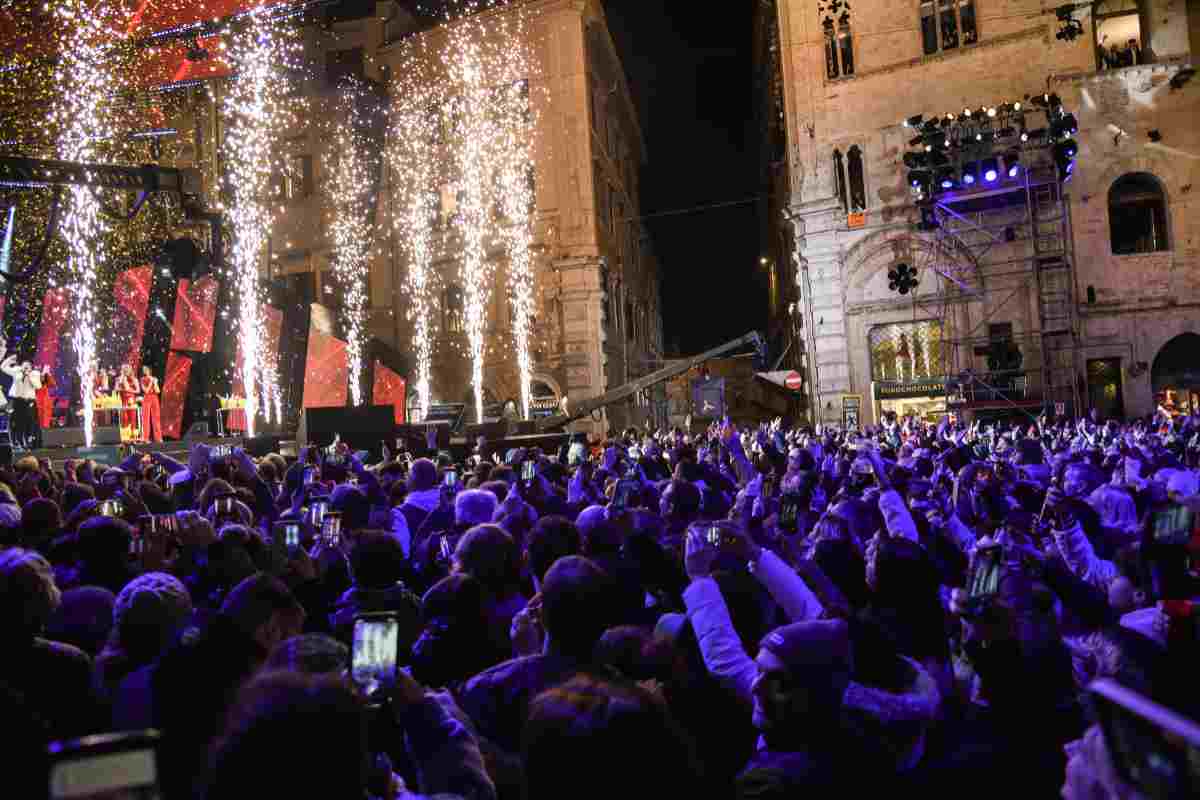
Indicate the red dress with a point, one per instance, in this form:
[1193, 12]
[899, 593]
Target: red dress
[151, 410]
[45, 403]
[128, 389]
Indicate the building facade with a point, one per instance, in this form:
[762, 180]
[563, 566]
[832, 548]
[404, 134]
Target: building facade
[598, 318]
[1033, 292]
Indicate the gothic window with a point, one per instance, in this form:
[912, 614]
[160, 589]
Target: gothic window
[945, 24]
[839, 178]
[858, 189]
[1137, 214]
[839, 46]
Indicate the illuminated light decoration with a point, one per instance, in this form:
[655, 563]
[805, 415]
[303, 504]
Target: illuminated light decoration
[1012, 163]
[351, 189]
[84, 82]
[6, 245]
[256, 109]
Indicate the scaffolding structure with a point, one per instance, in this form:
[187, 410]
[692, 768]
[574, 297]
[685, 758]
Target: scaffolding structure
[960, 234]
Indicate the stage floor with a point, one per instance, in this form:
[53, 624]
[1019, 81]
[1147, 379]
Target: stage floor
[103, 453]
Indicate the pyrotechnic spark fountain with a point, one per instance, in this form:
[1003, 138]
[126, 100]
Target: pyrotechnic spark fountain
[472, 133]
[257, 110]
[85, 82]
[352, 192]
[413, 153]
[517, 205]
[463, 118]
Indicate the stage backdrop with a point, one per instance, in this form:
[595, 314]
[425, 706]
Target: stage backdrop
[174, 392]
[326, 371]
[131, 301]
[195, 313]
[389, 390]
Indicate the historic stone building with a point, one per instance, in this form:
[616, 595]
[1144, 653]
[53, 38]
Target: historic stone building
[1032, 291]
[598, 319]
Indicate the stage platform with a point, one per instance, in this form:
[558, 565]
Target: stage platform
[116, 453]
[460, 448]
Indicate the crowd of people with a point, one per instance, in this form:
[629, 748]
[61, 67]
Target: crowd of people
[767, 612]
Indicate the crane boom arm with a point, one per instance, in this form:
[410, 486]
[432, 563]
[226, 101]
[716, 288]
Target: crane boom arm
[586, 407]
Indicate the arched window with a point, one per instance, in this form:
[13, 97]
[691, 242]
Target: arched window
[858, 187]
[1137, 214]
[839, 179]
[452, 309]
[839, 47]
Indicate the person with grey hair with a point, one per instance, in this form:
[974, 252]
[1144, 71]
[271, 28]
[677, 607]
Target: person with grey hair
[55, 678]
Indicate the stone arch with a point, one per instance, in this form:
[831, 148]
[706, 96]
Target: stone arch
[541, 377]
[1147, 161]
[862, 259]
[1175, 363]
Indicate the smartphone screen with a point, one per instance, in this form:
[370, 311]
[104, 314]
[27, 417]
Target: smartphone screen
[1152, 748]
[789, 512]
[310, 476]
[224, 505]
[331, 528]
[1173, 525]
[445, 551]
[713, 536]
[112, 508]
[373, 656]
[528, 471]
[106, 767]
[319, 510]
[450, 479]
[985, 579]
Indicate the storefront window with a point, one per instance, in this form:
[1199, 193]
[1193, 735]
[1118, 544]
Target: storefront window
[906, 351]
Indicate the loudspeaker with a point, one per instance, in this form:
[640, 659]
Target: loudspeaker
[62, 437]
[108, 434]
[259, 446]
[362, 428]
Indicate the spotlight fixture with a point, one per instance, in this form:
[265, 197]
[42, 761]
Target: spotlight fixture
[1024, 136]
[968, 173]
[1065, 125]
[1154, 135]
[946, 178]
[1012, 163]
[991, 111]
[1064, 158]
[902, 278]
[991, 169]
[918, 178]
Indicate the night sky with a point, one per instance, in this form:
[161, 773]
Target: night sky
[691, 74]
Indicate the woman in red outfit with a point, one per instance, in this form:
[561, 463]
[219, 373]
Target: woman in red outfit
[151, 409]
[45, 403]
[128, 388]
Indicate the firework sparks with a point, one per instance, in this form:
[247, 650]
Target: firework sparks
[352, 191]
[413, 154]
[257, 109]
[85, 82]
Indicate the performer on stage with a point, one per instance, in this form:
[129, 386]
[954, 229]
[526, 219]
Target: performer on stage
[101, 385]
[127, 386]
[45, 401]
[151, 409]
[26, 382]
